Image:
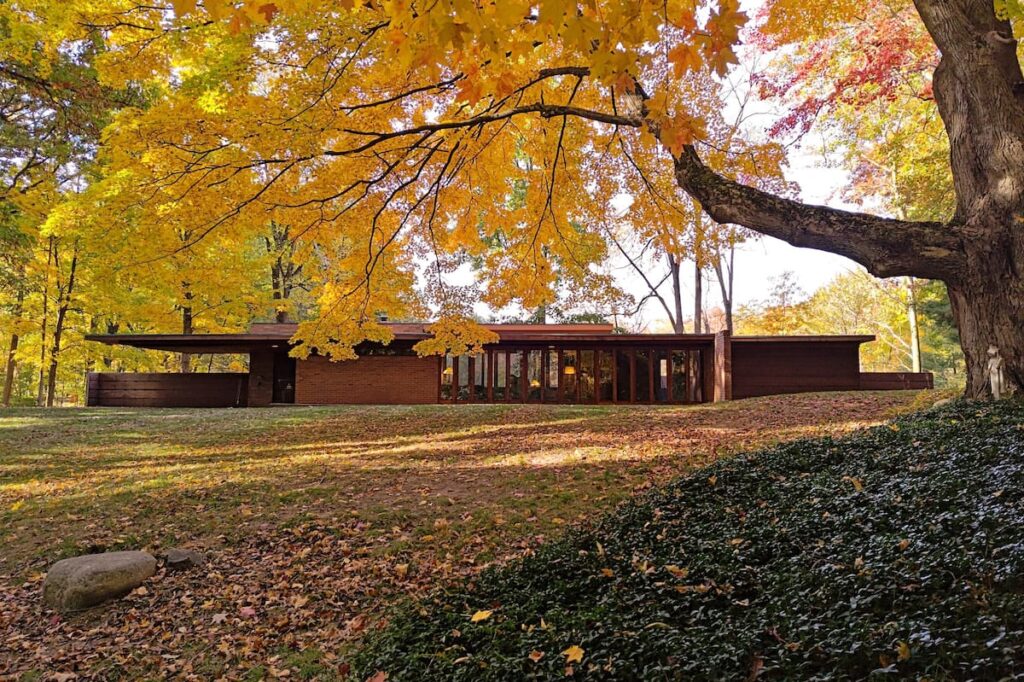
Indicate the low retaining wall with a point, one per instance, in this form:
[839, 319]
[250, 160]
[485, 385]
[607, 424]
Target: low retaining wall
[896, 381]
[117, 389]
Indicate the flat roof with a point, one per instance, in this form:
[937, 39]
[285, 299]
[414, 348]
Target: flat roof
[263, 336]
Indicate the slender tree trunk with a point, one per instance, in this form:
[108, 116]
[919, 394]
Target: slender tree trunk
[11, 366]
[698, 298]
[677, 294]
[915, 334]
[51, 375]
[186, 327]
[44, 323]
[283, 270]
[280, 314]
[112, 328]
[63, 304]
[724, 274]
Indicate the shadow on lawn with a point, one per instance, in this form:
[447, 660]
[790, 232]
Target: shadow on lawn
[228, 467]
[315, 518]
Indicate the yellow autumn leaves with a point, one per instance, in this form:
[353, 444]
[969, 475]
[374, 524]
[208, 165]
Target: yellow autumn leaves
[573, 654]
[404, 143]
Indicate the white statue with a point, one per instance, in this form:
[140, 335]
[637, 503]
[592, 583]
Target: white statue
[996, 378]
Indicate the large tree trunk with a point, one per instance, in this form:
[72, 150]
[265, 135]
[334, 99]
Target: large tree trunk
[979, 254]
[989, 311]
[979, 93]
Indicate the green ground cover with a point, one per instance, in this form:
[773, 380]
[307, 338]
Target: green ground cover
[898, 551]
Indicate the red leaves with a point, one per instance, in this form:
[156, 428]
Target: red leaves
[879, 58]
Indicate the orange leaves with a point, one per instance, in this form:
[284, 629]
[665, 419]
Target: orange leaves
[685, 57]
[675, 129]
[182, 7]
[553, 12]
[373, 477]
[573, 654]
[387, 134]
[677, 572]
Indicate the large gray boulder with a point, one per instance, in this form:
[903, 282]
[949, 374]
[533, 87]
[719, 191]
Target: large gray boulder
[83, 581]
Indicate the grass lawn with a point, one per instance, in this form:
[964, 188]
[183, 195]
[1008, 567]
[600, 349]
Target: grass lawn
[315, 518]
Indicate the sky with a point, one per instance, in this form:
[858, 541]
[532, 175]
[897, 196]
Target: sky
[758, 261]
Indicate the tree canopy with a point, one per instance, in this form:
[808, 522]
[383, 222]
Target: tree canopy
[396, 140]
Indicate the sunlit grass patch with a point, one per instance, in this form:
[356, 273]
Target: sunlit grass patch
[337, 509]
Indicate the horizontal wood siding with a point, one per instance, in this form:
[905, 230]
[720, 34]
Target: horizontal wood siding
[767, 368]
[261, 378]
[115, 389]
[368, 380]
[896, 381]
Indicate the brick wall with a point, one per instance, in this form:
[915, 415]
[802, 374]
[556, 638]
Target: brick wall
[372, 379]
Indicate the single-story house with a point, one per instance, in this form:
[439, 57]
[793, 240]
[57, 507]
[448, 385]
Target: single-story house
[555, 363]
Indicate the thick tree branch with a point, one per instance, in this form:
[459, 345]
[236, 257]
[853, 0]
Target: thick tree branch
[886, 247]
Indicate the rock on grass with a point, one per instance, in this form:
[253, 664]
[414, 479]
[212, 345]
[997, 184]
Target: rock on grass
[83, 581]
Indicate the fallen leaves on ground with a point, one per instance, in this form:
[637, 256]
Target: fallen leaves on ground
[315, 518]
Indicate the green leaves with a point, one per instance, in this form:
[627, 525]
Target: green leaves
[911, 567]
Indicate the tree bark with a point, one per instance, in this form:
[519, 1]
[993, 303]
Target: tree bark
[698, 297]
[51, 245]
[724, 274]
[915, 333]
[11, 366]
[63, 304]
[677, 295]
[979, 253]
[186, 327]
[283, 270]
[112, 328]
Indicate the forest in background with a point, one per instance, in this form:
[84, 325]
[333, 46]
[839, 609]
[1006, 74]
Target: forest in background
[83, 251]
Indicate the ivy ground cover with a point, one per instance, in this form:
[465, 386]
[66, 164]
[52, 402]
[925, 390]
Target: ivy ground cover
[897, 552]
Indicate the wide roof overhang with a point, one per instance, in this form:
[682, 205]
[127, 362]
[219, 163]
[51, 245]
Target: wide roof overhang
[254, 342]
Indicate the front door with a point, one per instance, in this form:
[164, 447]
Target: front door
[284, 378]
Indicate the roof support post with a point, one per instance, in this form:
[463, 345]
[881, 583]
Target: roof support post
[723, 366]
